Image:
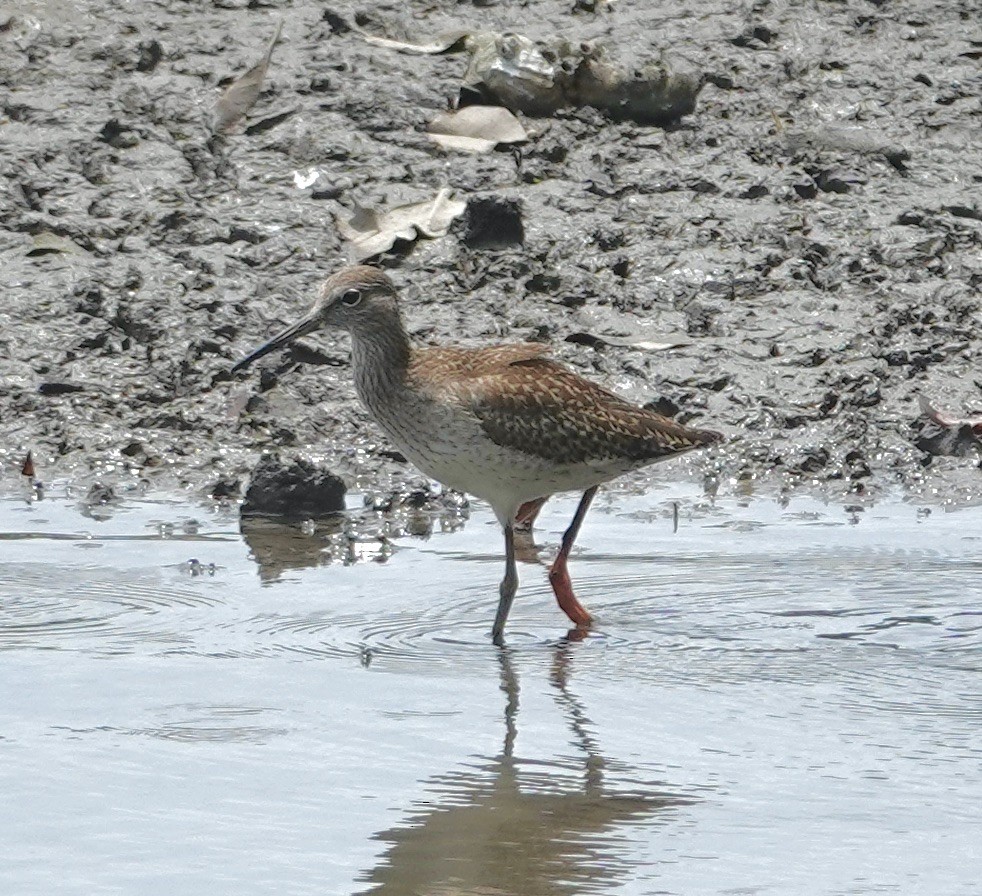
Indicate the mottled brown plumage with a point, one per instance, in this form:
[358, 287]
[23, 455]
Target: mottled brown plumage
[539, 406]
[504, 423]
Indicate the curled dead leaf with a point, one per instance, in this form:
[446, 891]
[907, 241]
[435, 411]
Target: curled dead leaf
[448, 41]
[241, 95]
[371, 232]
[639, 342]
[476, 128]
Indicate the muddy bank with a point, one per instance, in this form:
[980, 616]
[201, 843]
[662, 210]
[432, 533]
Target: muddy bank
[809, 239]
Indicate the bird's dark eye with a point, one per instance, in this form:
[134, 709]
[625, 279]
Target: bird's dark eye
[350, 297]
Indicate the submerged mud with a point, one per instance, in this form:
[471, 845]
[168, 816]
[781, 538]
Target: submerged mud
[808, 241]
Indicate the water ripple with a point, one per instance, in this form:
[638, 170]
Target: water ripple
[40, 609]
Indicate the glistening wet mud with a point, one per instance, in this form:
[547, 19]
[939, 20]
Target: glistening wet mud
[770, 680]
[778, 698]
[808, 238]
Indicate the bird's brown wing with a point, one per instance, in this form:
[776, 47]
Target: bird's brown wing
[539, 407]
[452, 364]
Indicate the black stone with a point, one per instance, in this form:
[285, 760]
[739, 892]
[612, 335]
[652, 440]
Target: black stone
[296, 490]
[493, 223]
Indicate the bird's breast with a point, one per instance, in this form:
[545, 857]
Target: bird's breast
[448, 443]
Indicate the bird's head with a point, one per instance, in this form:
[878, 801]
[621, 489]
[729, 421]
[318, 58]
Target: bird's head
[358, 299]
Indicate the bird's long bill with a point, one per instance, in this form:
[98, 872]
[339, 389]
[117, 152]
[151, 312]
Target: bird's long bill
[301, 328]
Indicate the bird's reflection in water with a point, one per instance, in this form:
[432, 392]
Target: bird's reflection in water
[279, 545]
[508, 826]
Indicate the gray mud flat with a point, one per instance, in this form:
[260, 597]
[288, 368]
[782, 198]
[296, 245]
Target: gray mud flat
[187, 708]
[810, 234]
[780, 698]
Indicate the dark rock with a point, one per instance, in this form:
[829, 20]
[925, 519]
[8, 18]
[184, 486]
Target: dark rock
[811, 460]
[756, 37]
[336, 22]
[664, 406]
[226, 488]
[150, 55]
[492, 222]
[543, 283]
[838, 181]
[704, 186]
[100, 494]
[297, 490]
[59, 388]
[118, 135]
[806, 188]
[958, 441]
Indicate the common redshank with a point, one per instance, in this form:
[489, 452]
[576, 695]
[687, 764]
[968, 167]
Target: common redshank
[503, 423]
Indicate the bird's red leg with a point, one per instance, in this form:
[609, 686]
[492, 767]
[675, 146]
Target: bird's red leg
[525, 518]
[559, 576]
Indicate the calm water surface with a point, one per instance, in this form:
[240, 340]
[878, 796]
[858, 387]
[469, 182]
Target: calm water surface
[777, 699]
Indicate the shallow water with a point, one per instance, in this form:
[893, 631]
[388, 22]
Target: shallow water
[776, 699]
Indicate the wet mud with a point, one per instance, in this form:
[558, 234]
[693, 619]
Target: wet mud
[801, 255]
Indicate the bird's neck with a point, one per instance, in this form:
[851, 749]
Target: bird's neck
[380, 358]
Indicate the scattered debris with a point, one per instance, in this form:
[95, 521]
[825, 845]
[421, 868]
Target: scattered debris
[538, 78]
[950, 436]
[650, 95]
[100, 502]
[476, 129]
[194, 567]
[514, 71]
[861, 141]
[948, 422]
[35, 486]
[371, 232]
[241, 95]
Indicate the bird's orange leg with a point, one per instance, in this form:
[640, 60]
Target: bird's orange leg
[559, 578]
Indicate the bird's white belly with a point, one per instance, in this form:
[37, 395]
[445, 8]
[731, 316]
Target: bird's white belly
[457, 452]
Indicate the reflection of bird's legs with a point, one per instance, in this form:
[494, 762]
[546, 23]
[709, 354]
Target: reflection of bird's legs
[576, 715]
[509, 685]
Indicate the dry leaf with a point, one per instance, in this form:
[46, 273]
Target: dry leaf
[476, 128]
[441, 43]
[46, 243]
[371, 232]
[241, 95]
[640, 343]
[946, 421]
